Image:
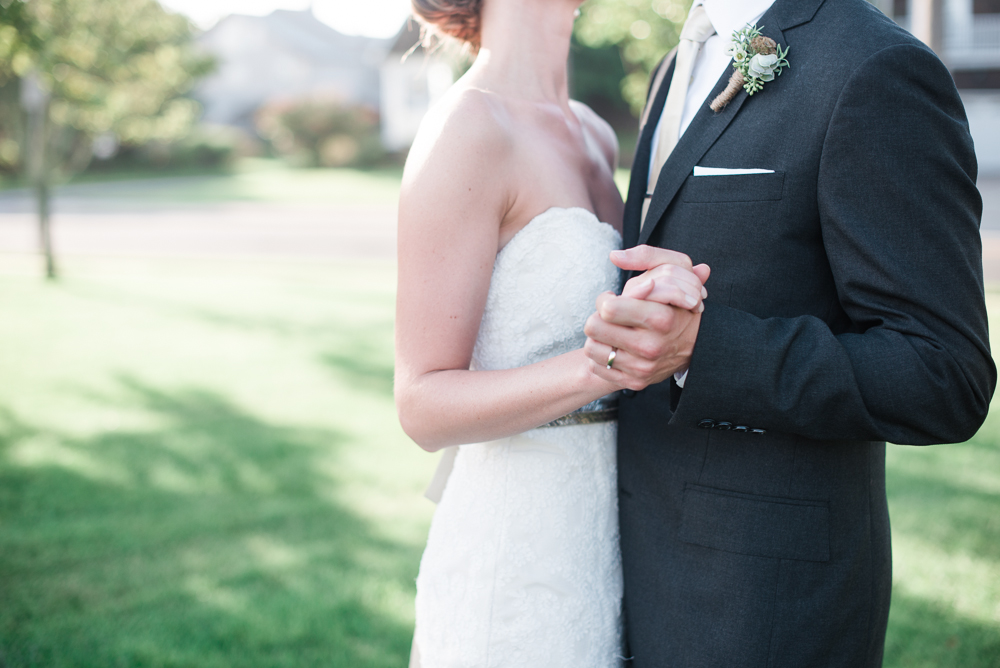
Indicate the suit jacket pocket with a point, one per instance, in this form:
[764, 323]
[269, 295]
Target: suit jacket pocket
[734, 188]
[762, 526]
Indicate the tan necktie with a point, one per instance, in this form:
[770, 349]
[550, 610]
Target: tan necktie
[697, 29]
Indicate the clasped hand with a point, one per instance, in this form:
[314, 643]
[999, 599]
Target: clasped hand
[653, 324]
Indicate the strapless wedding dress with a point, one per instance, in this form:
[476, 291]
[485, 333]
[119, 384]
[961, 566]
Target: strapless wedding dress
[522, 567]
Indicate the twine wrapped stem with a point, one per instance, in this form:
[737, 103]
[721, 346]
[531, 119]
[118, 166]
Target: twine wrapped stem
[725, 97]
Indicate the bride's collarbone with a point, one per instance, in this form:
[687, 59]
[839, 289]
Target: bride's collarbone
[564, 187]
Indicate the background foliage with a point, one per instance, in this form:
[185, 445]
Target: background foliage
[321, 131]
[642, 31]
[119, 69]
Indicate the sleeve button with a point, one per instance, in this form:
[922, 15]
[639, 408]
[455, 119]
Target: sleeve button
[741, 429]
[724, 426]
[707, 423]
[758, 432]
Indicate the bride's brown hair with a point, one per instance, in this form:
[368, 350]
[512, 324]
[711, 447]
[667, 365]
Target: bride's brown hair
[455, 18]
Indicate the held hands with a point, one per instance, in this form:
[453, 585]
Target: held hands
[654, 324]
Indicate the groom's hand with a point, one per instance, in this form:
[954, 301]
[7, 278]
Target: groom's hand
[649, 258]
[654, 341]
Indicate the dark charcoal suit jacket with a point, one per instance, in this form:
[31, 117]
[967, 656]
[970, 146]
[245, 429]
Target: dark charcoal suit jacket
[845, 309]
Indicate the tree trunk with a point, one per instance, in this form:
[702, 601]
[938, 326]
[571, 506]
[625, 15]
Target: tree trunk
[42, 179]
[45, 228]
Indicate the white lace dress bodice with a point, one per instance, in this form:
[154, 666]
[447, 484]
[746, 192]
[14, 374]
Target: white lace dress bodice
[522, 567]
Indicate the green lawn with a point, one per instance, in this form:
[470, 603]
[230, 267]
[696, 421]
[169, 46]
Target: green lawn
[252, 180]
[200, 465]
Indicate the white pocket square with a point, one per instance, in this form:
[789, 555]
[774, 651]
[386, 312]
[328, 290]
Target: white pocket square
[722, 171]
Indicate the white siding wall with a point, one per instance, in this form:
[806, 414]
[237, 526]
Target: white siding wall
[408, 90]
[983, 108]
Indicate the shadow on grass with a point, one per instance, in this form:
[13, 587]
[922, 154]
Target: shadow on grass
[210, 537]
[925, 635]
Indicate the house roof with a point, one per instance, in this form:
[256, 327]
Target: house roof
[284, 55]
[299, 31]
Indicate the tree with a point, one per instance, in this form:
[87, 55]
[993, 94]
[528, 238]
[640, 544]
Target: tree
[84, 69]
[643, 32]
[595, 76]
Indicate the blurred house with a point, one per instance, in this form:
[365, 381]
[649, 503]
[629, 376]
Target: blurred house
[286, 54]
[966, 34]
[412, 80]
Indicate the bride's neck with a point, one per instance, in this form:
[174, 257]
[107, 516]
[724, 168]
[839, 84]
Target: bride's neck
[524, 48]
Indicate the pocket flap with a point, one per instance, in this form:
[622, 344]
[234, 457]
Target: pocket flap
[762, 526]
[734, 188]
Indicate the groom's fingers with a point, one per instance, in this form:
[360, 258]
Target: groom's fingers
[657, 290]
[643, 258]
[626, 312]
[664, 274]
[670, 295]
[667, 292]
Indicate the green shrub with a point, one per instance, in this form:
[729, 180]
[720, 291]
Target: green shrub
[321, 132]
[206, 146]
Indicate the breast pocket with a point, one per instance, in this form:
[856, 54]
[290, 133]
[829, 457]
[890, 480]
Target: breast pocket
[734, 188]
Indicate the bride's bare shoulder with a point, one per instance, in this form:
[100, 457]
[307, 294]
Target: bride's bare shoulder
[600, 130]
[465, 128]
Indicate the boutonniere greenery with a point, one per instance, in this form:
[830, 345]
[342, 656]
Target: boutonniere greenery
[756, 60]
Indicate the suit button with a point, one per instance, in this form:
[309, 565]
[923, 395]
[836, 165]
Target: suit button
[758, 432]
[628, 393]
[741, 429]
[707, 423]
[724, 426]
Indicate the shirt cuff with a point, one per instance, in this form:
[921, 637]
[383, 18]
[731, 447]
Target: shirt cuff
[681, 377]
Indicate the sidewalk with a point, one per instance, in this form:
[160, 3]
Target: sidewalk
[97, 220]
[98, 225]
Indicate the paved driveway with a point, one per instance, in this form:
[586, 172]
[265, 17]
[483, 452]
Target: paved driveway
[108, 220]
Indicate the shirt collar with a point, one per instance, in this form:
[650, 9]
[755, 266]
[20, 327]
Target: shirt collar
[728, 16]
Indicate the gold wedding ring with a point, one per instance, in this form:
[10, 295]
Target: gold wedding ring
[612, 356]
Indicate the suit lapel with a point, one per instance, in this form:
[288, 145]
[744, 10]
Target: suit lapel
[707, 126]
[643, 154]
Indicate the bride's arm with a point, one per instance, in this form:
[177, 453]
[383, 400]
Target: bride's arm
[456, 191]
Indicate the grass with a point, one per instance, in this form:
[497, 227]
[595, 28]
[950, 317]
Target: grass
[200, 465]
[252, 180]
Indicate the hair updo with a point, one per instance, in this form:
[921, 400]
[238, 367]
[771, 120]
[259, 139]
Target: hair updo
[454, 18]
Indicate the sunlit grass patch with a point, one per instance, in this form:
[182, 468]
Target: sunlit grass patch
[180, 451]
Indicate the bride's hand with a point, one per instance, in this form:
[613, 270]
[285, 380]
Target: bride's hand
[668, 278]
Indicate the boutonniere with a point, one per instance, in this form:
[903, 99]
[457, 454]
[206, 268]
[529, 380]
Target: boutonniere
[756, 60]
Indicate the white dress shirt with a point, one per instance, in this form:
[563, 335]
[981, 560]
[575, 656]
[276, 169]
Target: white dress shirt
[711, 63]
[727, 16]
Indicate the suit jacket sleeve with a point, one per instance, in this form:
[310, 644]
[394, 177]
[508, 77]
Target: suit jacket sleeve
[900, 213]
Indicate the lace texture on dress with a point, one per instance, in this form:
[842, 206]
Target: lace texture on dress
[522, 566]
